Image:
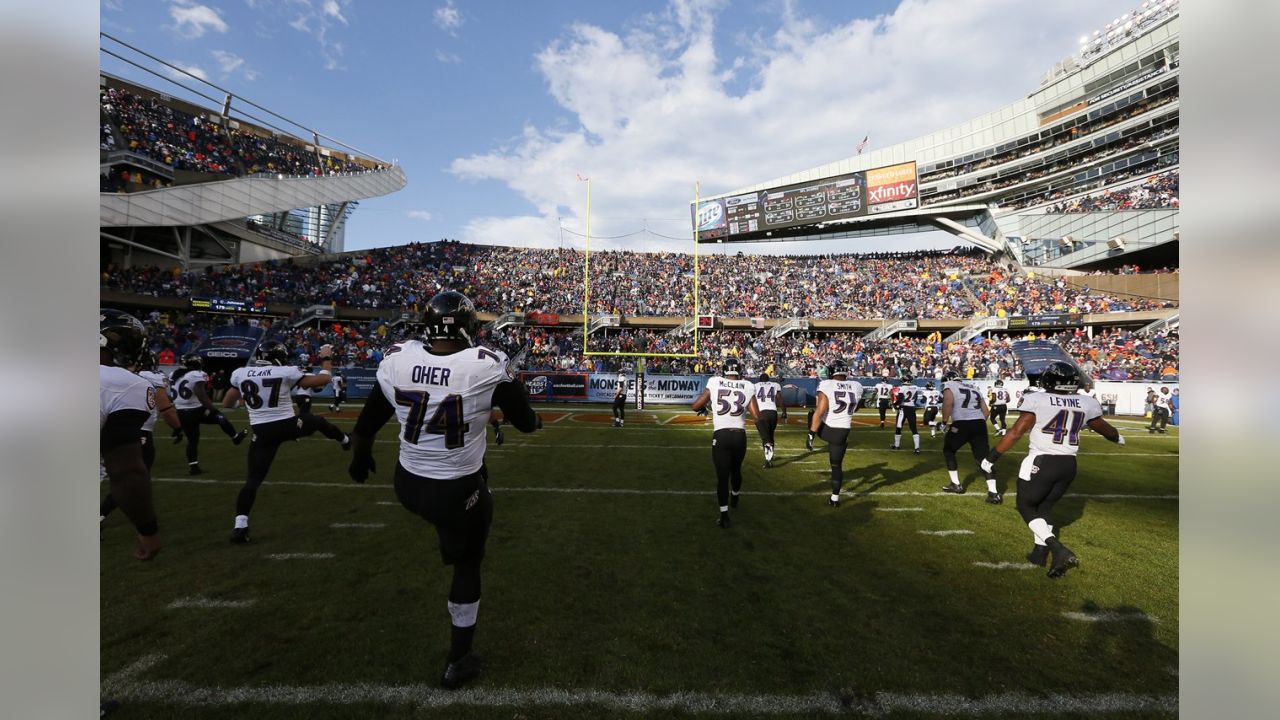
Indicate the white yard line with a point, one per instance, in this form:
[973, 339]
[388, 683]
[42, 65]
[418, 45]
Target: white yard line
[201, 602]
[128, 685]
[300, 556]
[897, 509]
[658, 491]
[1007, 566]
[945, 533]
[1110, 616]
[358, 525]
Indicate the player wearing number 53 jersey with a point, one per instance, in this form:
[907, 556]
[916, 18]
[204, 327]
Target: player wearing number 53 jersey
[1054, 419]
[443, 393]
[265, 387]
[964, 413]
[730, 399]
[838, 398]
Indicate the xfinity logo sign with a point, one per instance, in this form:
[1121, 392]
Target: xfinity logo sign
[892, 193]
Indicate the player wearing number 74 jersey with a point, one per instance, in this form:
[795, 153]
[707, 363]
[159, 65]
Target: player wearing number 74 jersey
[1054, 419]
[265, 387]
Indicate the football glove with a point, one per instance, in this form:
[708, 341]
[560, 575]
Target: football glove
[1119, 439]
[808, 442]
[177, 436]
[987, 466]
[360, 467]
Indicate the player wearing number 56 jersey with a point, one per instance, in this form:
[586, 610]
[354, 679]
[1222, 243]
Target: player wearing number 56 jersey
[195, 408]
[443, 393]
[964, 413]
[1054, 419]
[838, 398]
[768, 397]
[730, 399]
[265, 387]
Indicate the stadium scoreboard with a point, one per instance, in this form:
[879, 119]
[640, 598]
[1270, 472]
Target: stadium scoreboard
[226, 305]
[755, 214]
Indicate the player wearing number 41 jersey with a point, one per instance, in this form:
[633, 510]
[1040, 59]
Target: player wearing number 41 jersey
[730, 399]
[1054, 419]
[443, 393]
[838, 398]
[265, 387]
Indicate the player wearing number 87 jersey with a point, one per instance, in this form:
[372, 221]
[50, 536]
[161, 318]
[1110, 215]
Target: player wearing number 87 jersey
[265, 387]
[443, 393]
[838, 398]
[1054, 419]
[730, 398]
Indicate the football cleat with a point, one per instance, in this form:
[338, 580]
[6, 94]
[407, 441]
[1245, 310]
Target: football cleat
[733, 500]
[194, 470]
[457, 674]
[498, 436]
[240, 536]
[994, 498]
[833, 502]
[893, 447]
[240, 436]
[768, 464]
[1039, 555]
[917, 451]
[723, 522]
[953, 488]
[1063, 558]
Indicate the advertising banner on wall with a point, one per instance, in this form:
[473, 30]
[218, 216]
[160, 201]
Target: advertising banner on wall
[556, 386]
[892, 188]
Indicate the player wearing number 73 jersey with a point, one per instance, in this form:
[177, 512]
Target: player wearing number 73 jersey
[838, 398]
[1054, 419]
[265, 387]
[964, 413]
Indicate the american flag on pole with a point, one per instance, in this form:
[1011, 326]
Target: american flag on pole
[583, 178]
[863, 145]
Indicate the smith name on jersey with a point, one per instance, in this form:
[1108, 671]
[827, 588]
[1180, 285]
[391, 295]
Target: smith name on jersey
[842, 400]
[443, 404]
[729, 400]
[265, 390]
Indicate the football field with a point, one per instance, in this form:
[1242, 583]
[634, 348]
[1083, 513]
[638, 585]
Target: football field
[610, 592]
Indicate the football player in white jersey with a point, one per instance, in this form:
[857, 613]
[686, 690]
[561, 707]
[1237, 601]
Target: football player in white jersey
[339, 392]
[768, 400]
[999, 400]
[884, 397]
[125, 402]
[730, 398]
[620, 401]
[443, 392]
[964, 414]
[265, 387]
[909, 397]
[195, 408]
[145, 368]
[1161, 402]
[838, 399]
[932, 403]
[1054, 418]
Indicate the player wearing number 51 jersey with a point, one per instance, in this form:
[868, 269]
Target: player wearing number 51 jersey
[265, 387]
[730, 398]
[1054, 419]
[443, 393]
[838, 398]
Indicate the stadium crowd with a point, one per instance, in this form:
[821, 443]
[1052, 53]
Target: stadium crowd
[1157, 191]
[927, 285]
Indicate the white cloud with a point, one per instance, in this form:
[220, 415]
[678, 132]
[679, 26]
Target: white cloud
[332, 10]
[113, 5]
[322, 25]
[418, 214]
[448, 58]
[448, 18]
[193, 69]
[230, 63]
[192, 20]
[651, 112]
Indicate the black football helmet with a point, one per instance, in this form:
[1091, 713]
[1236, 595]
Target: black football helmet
[928, 385]
[764, 377]
[950, 375]
[271, 352]
[192, 361]
[1059, 377]
[732, 366]
[999, 383]
[907, 377]
[839, 367]
[147, 360]
[450, 315]
[122, 336]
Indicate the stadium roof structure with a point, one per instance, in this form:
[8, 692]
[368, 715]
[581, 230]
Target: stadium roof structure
[244, 213]
[1102, 121]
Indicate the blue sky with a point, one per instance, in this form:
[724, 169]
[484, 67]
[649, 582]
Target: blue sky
[493, 108]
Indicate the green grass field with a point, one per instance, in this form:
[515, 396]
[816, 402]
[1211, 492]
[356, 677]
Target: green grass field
[609, 591]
